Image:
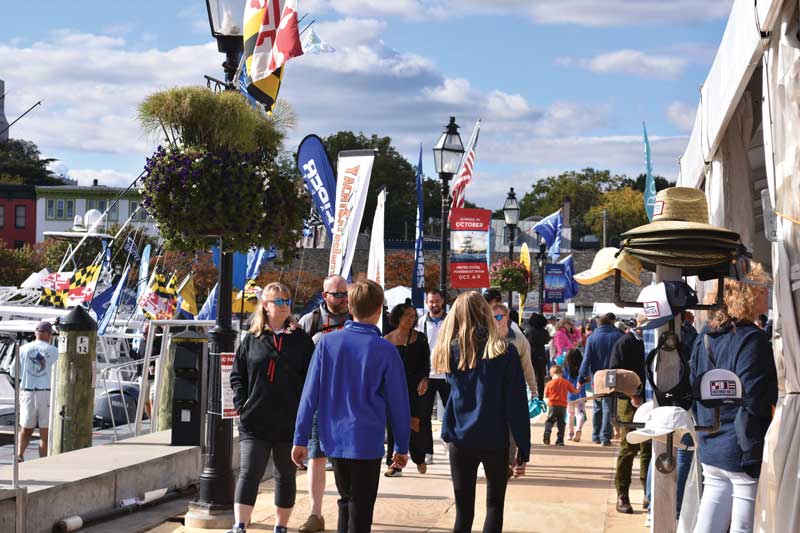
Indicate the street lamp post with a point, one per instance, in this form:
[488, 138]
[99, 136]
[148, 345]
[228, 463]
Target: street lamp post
[447, 155]
[214, 504]
[542, 260]
[511, 214]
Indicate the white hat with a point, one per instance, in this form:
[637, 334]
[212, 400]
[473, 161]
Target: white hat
[643, 412]
[720, 385]
[662, 421]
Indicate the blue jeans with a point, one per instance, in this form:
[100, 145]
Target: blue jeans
[601, 420]
[684, 466]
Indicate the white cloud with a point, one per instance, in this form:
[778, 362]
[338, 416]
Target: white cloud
[682, 115]
[580, 12]
[107, 177]
[629, 61]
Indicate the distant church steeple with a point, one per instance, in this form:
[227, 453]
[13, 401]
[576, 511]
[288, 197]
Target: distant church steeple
[3, 121]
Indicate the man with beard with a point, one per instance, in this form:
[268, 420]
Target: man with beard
[329, 316]
[429, 324]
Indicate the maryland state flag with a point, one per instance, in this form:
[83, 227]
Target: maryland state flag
[247, 300]
[81, 289]
[188, 297]
[271, 38]
[159, 300]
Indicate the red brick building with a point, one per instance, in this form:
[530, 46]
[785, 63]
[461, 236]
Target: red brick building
[17, 215]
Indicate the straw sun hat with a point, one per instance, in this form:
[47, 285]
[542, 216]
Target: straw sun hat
[605, 262]
[681, 209]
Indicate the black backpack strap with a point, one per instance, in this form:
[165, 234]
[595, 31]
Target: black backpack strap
[317, 316]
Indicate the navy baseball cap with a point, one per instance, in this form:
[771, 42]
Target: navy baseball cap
[44, 327]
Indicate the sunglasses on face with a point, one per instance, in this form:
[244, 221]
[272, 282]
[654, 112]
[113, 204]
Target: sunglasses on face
[280, 301]
[499, 317]
[340, 295]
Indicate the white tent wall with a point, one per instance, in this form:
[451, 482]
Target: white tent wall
[734, 169]
[738, 56]
[778, 501]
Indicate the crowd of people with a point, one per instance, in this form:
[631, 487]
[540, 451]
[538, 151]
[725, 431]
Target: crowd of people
[334, 390]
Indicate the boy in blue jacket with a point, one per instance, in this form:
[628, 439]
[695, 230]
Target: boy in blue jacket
[355, 377]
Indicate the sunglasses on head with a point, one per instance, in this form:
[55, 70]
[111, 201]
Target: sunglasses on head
[341, 294]
[499, 317]
[280, 301]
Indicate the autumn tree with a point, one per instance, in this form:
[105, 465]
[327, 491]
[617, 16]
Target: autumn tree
[624, 211]
[584, 189]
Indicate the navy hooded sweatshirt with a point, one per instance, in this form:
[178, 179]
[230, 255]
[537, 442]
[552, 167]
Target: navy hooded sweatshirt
[745, 350]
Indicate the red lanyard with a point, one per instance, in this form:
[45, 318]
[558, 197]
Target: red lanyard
[277, 342]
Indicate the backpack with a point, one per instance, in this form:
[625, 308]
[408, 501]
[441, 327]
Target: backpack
[680, 394]
[316, 327]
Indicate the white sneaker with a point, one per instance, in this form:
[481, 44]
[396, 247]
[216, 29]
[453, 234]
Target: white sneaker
[328, 466]
[428, 459]
[647, 520]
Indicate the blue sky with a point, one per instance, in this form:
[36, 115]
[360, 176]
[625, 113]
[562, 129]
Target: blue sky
[559, 84]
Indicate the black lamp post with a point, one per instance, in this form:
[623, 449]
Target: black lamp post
[511, 214]
[541, 260]
[447, 154]
[215, 495]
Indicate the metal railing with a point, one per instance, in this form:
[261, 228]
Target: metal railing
[118, 370]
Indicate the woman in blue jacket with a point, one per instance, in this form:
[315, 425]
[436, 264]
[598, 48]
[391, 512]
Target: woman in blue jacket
[487, 398]
[731, 457]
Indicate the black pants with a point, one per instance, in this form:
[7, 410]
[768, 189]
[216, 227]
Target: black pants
[540, 369]
[464, 471]
[426, 411]
[415, 448]
[357, 482]
[254, 456]
[556, 415]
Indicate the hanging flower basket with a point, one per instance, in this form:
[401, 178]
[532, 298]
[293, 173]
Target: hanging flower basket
[508, 275]
[220, 175]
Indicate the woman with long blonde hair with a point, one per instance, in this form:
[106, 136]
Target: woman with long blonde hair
[267, 379]
[731, 457]
[487, 399]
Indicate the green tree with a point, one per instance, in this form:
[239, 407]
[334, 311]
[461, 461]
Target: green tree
[624, 210]
[21, 164]
[638, 183]
[584, 189]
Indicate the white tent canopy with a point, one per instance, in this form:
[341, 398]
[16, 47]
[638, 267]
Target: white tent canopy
[746, 139]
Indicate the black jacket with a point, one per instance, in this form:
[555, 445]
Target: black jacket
[538, 337]
[267, 383]
[628, 354]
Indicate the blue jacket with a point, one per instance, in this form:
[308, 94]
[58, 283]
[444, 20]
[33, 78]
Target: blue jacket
[598, 350]
[485, 402]
[355, 377]
[745, 350]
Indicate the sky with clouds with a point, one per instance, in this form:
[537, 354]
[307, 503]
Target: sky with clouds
[559, 84]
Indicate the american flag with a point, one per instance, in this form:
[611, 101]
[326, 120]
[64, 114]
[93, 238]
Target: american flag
[464, 174]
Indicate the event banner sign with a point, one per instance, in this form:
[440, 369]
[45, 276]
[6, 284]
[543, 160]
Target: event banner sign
[226, 365]
[353, 170]
[315, 166]
[375, 264]
[555, 283]
[469, 240]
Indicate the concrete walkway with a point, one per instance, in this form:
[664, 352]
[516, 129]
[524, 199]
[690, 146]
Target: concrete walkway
[567, 489]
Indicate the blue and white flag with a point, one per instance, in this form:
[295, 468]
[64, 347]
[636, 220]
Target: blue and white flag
[313, 44]
[650, 183]
[549, 228]
[130, 247]
[257, 258]
[315, 166]
[209, 309]
[111, 310]
[144, 271]
[571, 288]
[418, 279]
